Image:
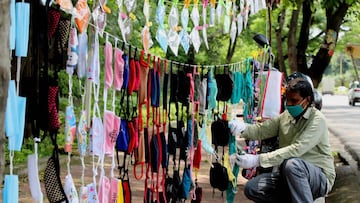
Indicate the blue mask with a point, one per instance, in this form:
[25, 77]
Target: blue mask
[295, 110]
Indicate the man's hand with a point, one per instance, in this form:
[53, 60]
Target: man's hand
[236, 127]
[245, 161]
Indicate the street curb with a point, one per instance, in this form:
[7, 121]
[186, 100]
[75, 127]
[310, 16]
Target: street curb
[354, 154]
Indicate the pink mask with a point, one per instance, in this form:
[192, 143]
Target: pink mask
[104, 189]
[118, 69]
[111, 124]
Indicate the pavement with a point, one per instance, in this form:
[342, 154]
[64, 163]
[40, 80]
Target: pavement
[345, 149]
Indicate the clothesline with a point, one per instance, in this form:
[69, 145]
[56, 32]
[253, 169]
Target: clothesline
[239, 63]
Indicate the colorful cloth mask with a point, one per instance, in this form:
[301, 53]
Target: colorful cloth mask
[104, 189]
[82, 54]
[82, 133]
[130, 6]
[108, 54]
[202, 95]
[213, 90]
[233, 29]
[92, 194]
[161, 35]
[184, 35]
[114, 189]
[144, 71]
[205, 2]
[99, 16]
[227, 17]
[118, 69]
[194, 35]
[70, 128]
[83, 15]
[212, 13]
[70, 190]
[239, 23]
[83, 194]
[145, 33]
[111, 124]
[173, 37]
[126, 71]
[72, 51]
[220, 10]
[94, 68]
[121, 18]
[246, 13]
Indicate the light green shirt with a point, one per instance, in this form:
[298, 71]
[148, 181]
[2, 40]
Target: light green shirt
[306, 138]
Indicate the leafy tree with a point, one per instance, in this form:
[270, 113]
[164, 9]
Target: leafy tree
[306, 16]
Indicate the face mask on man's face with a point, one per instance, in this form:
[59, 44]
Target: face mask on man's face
[295, 110]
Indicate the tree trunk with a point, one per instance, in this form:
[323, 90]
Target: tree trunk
[304, 37]
[279, 41]
[4, 76]
[292, 52]
[231, 50]
[322, 59]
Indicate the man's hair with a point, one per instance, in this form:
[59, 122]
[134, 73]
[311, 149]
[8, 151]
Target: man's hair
[302, 86]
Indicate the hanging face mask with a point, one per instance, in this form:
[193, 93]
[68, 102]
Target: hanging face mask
[22, 28]
[70, 128]
[72, 51]
[99, 17]
[118, 69]
[82, 133]
[33, 175]
[220, 10]
[194, 35]
[83, 15]
[82, 54]
[83, 194]
[239, 23]
[70, 190]
[11, 187]
[94, 67]
[111, 124]
[184, 35]
[227, 17]
[174, 41]
[92, 194]
[104, 189]
[212, 13]
[173, 37]
[161, 35]
[96, 136]
[127, 28]
[295, 110]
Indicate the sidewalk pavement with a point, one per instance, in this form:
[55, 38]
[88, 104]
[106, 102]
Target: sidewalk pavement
[345, 189]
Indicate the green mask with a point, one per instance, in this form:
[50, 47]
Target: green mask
[295, 110]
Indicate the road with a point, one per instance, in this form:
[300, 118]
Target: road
[343, 121]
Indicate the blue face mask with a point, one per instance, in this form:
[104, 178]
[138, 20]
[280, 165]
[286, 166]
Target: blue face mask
[295, 110]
